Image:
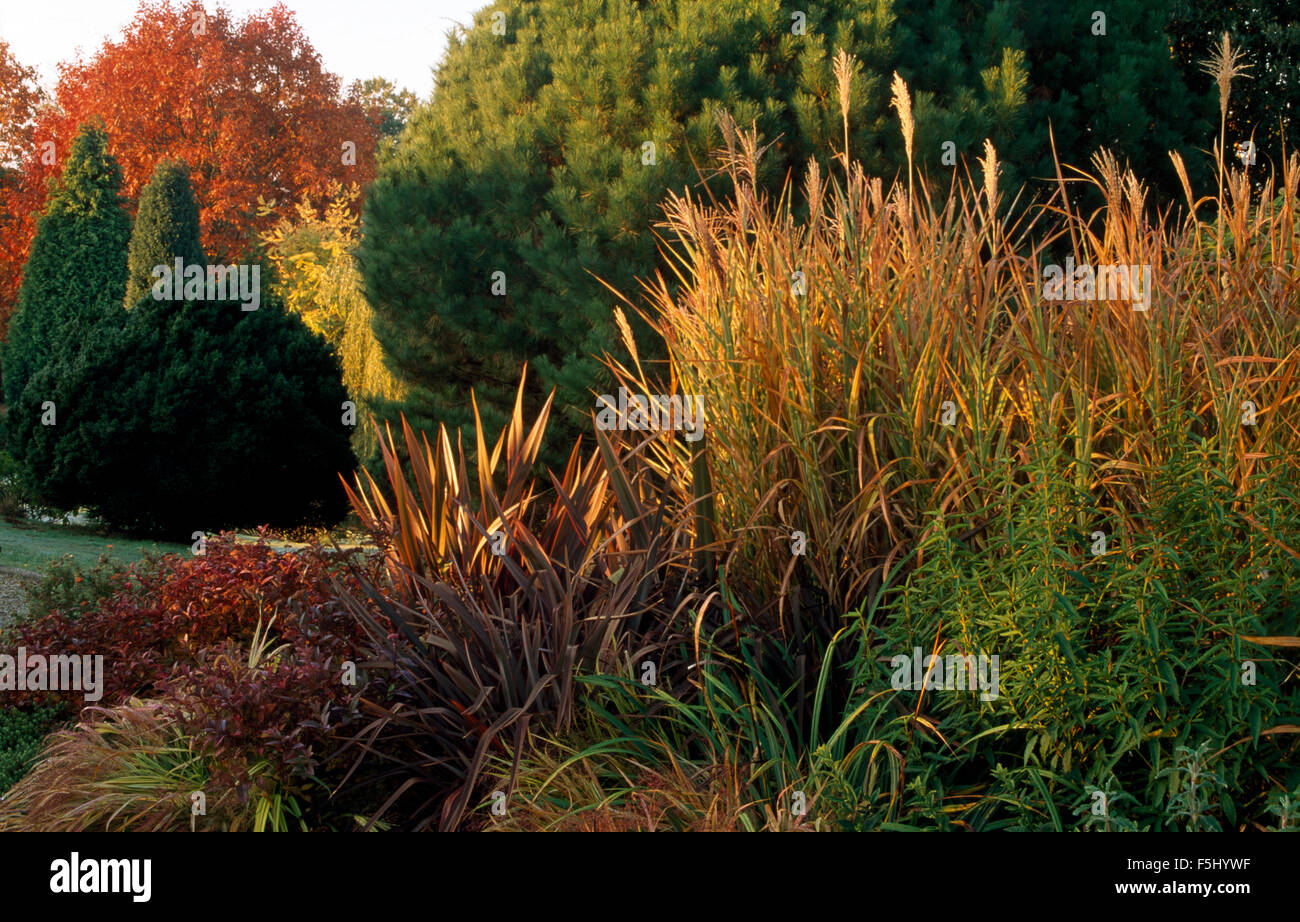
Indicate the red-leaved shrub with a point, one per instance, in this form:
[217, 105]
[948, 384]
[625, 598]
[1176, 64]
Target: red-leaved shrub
[246, 645]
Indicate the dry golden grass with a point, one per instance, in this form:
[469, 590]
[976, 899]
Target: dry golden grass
[830, 349]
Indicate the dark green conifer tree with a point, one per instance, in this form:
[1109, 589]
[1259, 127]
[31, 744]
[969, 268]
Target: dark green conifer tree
[191, 415]
[166, 227]
[75, 274]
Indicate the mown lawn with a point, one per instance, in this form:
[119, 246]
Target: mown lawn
[31, 546]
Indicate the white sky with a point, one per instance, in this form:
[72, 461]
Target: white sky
[398, 39]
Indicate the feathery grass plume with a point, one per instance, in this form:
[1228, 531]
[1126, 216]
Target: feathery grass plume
[902, 102]
[1135, 193]
[1111, 180]
[813, 191]
[1224, 65]
[1181, 169]
[989, 164]
[875, 188]
[824, 411]
[845, 66]
[826, 416]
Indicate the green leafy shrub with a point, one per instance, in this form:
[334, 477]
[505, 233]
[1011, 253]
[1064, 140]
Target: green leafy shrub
[13, 494]
[1155, 673]
[1150, 687]
[71, 588]
[316, 275]
[22, 731]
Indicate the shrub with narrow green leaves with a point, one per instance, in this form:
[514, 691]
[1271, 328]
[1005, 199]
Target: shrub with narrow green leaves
[1150, 687]
[1133, 651]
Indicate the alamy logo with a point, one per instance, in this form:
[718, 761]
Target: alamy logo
[241, 283]
[959, 673]
[103, 875]
[1101, 283]
[52, 673]
[656, 412]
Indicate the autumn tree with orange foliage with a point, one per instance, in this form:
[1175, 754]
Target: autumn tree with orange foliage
[20, 101]
[246, 104]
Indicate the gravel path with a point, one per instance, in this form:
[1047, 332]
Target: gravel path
[13, 601]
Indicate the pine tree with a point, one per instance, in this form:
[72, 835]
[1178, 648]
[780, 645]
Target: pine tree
[75, 274]
[166, 227]
[1024, 73]
[1107, 78]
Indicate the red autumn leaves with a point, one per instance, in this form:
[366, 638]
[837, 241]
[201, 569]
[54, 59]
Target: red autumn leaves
[245, 103]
